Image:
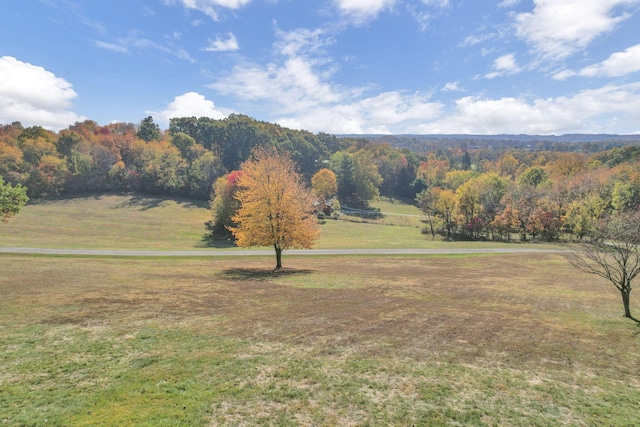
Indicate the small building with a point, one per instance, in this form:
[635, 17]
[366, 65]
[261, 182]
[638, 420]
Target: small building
[325, 206]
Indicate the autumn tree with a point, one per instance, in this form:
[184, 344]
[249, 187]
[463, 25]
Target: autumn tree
[12, 199]
[583, 214]
[445, 207]
[276, 207]
[224, 204]
[612, 253]
[433, 171]
[427, 200]
[533, 176]
[324, 184]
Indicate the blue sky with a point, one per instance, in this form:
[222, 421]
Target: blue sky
[336, 66]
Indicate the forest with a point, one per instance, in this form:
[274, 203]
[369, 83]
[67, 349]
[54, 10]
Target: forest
[467, 188]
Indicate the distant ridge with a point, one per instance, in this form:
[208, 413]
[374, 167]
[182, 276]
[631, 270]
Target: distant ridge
[567, 138]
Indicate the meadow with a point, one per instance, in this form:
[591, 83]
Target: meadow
[506, 339]
[139, 222]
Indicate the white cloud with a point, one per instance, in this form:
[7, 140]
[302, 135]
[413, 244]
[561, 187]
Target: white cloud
[557, 29]
[504, 65]
[564, 74]
[297, 88]
[301, 41]
[618, 64]
[452, 87]
[295, 80]
[578, 113]
[291, 86]
[362, 11]
[223, 45]
[210, 7]
[190, 104]
[34, 96]
[388, 112]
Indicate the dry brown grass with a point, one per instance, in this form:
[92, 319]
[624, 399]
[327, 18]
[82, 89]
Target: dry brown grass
[349, 340]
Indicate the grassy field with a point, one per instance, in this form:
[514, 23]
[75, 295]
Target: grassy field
[475, 340]
[108, 222]
[148, 223]
[405, 340]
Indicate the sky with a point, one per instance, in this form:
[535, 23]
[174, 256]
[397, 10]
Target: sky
[337, 66]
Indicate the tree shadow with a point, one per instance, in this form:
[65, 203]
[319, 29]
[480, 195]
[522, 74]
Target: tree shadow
[65, 198]
[365, 213]
[261, 274]
[216, 238]
[209, 241]
[146, 202]
[142, 202]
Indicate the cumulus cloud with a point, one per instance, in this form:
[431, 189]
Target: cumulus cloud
[557, 29]
[385, 113]
[618, 64]
[190, 104]
[297, 79]
[210, 7]
[577, 113]
[363, 11]
[452, 87]
[223, 45]
[35, 96]
[504, 65]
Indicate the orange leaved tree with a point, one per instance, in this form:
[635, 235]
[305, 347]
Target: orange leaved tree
[276, 207]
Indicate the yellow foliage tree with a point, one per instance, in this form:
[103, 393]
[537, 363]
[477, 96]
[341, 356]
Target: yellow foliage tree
[276, 207]
[324, 184]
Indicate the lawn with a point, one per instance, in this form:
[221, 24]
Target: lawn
[475, 340]
[108, 222]
[148, 223]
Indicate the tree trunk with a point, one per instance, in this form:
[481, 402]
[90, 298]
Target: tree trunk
[626, 294]
[625, 302]
[278, 257]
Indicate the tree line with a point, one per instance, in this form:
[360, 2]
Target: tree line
[184, 160]
[533, 195]
[467, 193]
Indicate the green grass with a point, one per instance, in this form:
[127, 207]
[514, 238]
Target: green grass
[395, 206]
[484, 340]
[150, 223]
[108, 222]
